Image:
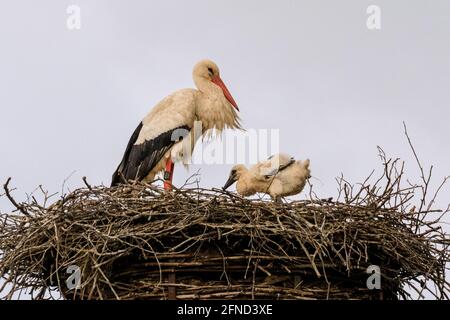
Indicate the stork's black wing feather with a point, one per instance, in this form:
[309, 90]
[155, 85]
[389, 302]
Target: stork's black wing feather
[140, 159]
[118, 174]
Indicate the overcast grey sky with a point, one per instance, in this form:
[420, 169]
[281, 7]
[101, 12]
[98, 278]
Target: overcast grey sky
[69, 100]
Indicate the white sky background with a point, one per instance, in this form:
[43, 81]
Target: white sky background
[69, 100]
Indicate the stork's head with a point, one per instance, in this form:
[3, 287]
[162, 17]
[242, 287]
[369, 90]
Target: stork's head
[206, 71]
[236, 173]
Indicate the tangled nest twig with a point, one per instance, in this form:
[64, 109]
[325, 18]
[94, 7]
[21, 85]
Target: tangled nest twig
[139, 242]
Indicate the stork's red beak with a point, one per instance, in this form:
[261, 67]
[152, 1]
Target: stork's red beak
[226, 93]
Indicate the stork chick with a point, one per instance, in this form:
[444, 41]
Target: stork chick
[279, 176]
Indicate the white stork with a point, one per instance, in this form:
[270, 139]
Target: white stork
[279, 176]
[165, 134]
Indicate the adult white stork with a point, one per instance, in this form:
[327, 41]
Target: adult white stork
[165, 134]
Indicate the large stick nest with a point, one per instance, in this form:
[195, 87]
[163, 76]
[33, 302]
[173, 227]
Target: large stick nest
[139, 242]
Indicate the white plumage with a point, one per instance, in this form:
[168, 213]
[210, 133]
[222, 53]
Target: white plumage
[279, 176]
[166, 133]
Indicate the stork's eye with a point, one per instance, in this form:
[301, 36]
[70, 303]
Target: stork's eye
[211, 71]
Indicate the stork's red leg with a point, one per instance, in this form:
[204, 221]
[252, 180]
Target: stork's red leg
[168, 175]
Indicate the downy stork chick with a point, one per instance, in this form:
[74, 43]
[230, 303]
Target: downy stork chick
[279, 176]
[167, 133]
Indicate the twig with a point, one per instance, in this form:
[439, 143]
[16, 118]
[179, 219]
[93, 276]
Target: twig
[11, 199]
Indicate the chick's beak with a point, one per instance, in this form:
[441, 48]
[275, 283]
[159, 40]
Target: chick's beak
[231, 180]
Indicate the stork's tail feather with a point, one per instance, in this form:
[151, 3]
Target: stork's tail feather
[306, 163]
[306, 166]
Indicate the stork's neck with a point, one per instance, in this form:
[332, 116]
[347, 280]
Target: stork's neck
[213, 109]
[207, 87]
